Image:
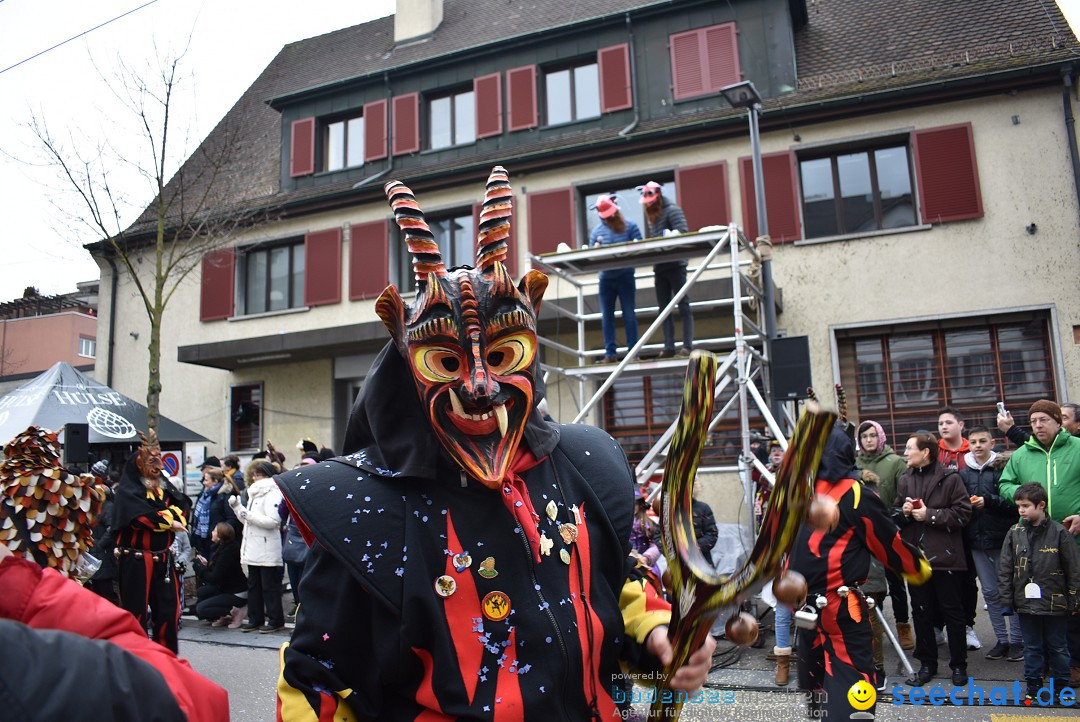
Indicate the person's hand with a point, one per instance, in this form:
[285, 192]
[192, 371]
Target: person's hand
[977, 502]
[234, 500]
[1072, 524]
[1005, 422]
[907, 508]
[200, 559]
[178, 526]
[691, 675]
[919, 514]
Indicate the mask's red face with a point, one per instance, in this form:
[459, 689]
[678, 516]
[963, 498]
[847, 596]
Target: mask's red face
[470, 338]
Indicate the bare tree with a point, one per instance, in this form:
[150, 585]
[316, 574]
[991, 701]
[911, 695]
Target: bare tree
[185, 220]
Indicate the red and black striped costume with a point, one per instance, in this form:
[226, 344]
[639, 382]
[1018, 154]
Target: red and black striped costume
[839, 652]
[373, 639]
[144, 519]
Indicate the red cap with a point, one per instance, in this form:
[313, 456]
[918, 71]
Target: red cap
[649, 191]
[606, 207]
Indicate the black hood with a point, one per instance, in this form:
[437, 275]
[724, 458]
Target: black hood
[131, 501]
[838, 459]
[391, 426]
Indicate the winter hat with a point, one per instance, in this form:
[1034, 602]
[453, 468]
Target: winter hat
[606, 207]
[211, 461]
[877, 427]
[1047, 407]
[649, 191]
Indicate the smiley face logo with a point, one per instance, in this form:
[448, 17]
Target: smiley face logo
[862, 695]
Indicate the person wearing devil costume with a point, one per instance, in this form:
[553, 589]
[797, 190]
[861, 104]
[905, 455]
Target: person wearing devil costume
[468, 559]
[149, 511]
[838, 652]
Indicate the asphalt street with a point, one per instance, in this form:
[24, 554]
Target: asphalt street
[246, 664]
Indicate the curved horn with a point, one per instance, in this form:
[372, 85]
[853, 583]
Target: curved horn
[427, 258]
[494, 220]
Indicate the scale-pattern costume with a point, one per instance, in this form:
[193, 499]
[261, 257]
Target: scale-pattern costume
[469, 560]
[46, 512]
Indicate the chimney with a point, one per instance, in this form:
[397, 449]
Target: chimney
[415, 19]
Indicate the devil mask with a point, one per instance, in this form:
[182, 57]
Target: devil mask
[470, 337]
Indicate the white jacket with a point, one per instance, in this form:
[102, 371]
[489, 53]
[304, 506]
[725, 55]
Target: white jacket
[261, 545]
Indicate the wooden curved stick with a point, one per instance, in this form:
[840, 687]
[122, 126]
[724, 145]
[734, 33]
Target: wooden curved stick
[698, 590]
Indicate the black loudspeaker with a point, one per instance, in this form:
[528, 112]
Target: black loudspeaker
[790, 367]
[76, 444]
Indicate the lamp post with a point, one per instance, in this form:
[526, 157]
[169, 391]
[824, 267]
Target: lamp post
[745, 95]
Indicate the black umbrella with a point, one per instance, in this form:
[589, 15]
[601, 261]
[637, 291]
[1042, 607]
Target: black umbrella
[63, 395]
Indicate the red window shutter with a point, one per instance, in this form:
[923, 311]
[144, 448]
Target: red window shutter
[511, 240]
[375, 130]
[703, 194]
[551, 220]
[406, 120]
[615, 82]
[687, 71]
[218, 285]
[369, 260]
[521, 97]
[781, 197]
[322, 267]
[302, 148]
[722, 56]
[948, 174]
[489, 113]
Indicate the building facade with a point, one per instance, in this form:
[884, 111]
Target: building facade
[920, 171]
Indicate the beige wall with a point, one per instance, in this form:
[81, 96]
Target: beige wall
[970, 266]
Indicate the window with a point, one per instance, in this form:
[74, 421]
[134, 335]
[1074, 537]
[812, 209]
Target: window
[902, 377]
[343, 143]
[87, 347]
[245, 417]
[272, 278]
[857, 190]
[638, 410]
[704, 60]
[572, 93]
[455, 232]
[452, 120]
[629, 203]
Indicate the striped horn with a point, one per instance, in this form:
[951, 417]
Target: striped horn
[418, 236]
[494, 221]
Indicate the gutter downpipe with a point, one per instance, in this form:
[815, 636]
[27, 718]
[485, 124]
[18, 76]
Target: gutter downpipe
[633, 75]
[112, 319]
[1070, 128]
[389, 124]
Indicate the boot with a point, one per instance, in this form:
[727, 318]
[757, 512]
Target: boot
[238, 614]
[903, 635]
[783, 665]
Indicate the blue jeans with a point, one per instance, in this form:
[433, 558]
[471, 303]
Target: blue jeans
[782, 618]
[1050, 631]
[617, 284]
[986, 561]
[669, 278]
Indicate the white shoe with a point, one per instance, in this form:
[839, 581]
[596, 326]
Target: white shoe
[939, 635]
[973, 642]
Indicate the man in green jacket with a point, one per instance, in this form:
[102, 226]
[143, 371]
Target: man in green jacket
[878, 457]
[1051, 457]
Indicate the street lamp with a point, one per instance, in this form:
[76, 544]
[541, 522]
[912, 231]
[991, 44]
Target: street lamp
[745, 95]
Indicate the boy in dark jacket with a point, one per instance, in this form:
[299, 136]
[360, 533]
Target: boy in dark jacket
[1038, 576]
[991, 518]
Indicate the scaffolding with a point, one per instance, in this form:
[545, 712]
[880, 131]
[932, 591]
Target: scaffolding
[744, 363]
